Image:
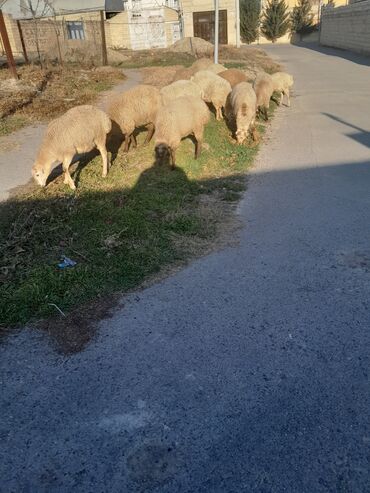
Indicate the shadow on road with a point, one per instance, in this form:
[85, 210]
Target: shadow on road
[326, 50]
[362, 136]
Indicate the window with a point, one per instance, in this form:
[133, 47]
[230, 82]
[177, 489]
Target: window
[75, 30]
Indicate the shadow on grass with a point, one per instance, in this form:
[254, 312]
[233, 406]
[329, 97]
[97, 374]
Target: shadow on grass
[119, 238]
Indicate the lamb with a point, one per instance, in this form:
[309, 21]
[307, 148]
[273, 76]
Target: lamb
[234, 76]
[80, 130]
[202, 64]
[215, 89]
[180, 88]
[135, 108]
[242, 106]
[264, 88]
[216, 68]
[184, 73]
[282, 83]
[181, 117]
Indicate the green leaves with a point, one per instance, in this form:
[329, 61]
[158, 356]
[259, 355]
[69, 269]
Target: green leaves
[275, 20]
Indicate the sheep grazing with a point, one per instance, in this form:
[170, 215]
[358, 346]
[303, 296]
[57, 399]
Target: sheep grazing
[216, 68]
[80, 130]
[215, 89]
[135, 108]
[234, 76]
[180, 118]
[202, 64]
[264, 88]
[184, 74]
[242, 106]
[180, 88]
[283, 82]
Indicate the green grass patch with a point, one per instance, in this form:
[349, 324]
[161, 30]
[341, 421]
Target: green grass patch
[147, 58]
[11, 124]
[240, 65]
[120, 230]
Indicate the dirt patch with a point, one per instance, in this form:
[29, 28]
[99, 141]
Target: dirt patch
[159, 76]
[42, 94]
[254, 59]
[71, 333]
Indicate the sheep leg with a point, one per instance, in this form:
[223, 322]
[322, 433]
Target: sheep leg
[281, 98]
[288, 97]
[198, 142]
[218, 114]
[127, 142]
[266, 113]
[67, 177]
[150, 134]
[198, 148]
[133, 141]
[104, 155]
[172, 158]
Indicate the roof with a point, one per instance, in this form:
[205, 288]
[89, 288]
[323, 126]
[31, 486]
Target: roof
[18, 9]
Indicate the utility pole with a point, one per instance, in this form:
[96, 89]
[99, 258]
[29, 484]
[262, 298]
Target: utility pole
[7, 47]
[217, 17]
[237, 22]
[103, 40]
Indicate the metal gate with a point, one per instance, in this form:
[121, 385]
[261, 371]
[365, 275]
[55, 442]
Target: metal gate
[204, 26]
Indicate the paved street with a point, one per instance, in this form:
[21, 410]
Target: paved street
[248, 371]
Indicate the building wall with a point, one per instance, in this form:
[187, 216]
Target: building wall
[347, 27]
[139, 30]
[190, 6]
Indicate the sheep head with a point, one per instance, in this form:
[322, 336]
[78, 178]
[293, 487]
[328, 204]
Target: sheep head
[40, 172]
[162, 153]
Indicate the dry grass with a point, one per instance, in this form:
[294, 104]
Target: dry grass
[251, 60]
[42, 94]
[247, 57]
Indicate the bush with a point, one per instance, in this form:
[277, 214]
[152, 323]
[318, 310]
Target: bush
[250, 11]
[275, 21]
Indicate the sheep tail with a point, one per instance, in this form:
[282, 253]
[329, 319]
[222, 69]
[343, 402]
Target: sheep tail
[244, 109]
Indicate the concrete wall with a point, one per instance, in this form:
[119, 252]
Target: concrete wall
[347, 27]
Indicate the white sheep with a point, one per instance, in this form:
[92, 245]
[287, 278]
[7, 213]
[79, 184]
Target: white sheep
[216, 68]
[180, 88]
[202, 64]
[242, 106]
[264, 88]
[80, 130]
[135, 108]
[283, 82]
[178, 119]
[215, 89]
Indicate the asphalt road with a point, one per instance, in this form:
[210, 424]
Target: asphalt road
[248, 370]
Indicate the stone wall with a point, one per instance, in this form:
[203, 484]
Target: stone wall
[347, 27]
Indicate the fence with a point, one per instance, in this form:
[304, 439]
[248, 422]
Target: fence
[82, 35]
[347, 27]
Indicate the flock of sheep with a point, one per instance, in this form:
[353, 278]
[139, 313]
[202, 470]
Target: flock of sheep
[171, 113]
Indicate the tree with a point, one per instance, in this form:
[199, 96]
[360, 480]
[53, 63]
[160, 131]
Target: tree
[250, 12]
[275, 20]
[301, 19]
[37, 9]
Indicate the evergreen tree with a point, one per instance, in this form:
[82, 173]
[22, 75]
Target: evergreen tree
[275, 21]
[250, 11]
[301, 20]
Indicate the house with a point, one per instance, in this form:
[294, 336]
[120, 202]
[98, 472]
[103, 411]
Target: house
[129, 24]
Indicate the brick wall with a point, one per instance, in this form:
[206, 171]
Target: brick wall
[347, 27]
